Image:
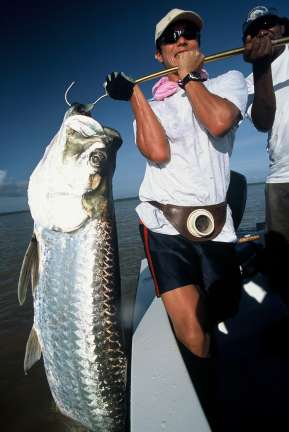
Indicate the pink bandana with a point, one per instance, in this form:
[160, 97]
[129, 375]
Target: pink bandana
[165, 87]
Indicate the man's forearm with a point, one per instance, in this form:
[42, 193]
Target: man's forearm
[150, 135]
[216, 114]
[264, 102]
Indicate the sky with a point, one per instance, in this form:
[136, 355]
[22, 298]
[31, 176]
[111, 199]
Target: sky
[47, 45]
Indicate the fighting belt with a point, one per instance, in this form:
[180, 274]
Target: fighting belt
[196, 223]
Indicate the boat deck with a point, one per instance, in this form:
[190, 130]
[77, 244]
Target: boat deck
[252, 361]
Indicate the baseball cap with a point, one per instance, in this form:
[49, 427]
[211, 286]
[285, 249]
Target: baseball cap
[258, 12]
[177, 15]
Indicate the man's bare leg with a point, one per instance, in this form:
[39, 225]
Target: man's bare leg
[187, 313]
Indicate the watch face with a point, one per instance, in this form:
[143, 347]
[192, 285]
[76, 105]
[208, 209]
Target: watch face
[192, 76]
[195, 75]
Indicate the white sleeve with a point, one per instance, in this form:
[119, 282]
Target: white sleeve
[250, 86]
[231, 86]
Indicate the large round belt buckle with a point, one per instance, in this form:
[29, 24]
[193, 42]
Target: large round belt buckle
[200, 223]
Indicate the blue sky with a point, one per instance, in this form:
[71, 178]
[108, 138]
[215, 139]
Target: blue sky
[49, 44]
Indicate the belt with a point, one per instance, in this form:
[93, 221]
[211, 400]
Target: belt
[196, 223]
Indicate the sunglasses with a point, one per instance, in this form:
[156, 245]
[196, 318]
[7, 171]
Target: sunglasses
[262, 23]
[172, 36]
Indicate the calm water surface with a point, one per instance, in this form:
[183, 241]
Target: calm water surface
[25, 401]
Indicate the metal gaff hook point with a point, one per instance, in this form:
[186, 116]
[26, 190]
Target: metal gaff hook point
[71, 85]
[66, 93]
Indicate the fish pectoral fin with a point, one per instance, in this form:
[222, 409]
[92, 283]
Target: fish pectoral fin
[29, 270]
[33, 350]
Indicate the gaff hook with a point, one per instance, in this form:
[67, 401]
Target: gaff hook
[71, 85]
[210, 58]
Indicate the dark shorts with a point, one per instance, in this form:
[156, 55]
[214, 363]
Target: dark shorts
[277, 208]
[175, 261]
[277, 237]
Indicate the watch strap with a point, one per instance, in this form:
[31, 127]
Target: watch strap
[192, 76]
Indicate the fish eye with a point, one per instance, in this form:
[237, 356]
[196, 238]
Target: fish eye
[96, 158]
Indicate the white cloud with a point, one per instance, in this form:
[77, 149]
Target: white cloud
[2, 176]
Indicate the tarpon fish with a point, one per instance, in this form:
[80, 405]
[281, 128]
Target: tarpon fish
[73, 264]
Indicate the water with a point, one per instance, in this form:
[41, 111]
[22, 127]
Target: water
[25, 401]
[13, 204]
[255, 207]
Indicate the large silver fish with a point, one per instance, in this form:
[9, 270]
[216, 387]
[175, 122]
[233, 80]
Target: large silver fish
[73, 263]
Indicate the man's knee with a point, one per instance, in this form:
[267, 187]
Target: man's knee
[193, 337]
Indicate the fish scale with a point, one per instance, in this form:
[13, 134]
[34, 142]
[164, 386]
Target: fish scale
[73, 263]
[86, 347]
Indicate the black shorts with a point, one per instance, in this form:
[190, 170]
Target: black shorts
[175, 262]
[277, 237]
[277, 208]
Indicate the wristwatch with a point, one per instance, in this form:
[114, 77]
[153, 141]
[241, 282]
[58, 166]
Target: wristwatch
[192, 76]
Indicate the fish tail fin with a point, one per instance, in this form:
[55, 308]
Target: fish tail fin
[29, 270]
[33, 350]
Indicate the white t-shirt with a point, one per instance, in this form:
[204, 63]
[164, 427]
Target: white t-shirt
[198, 171]
[278, 137]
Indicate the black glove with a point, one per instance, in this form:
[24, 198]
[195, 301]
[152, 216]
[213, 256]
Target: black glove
[119, 86]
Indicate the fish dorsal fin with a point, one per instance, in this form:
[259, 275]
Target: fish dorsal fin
[33, 350]
[29, 270]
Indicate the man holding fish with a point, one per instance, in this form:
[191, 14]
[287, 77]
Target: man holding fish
[186, 133]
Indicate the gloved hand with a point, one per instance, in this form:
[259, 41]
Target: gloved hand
[119, 86]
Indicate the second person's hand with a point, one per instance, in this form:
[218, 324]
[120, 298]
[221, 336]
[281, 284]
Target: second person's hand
[258, 49]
